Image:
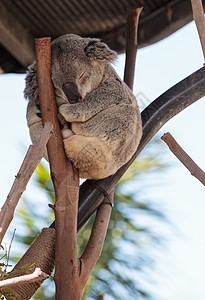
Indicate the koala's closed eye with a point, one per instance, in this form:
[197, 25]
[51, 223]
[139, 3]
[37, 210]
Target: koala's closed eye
[82, 75]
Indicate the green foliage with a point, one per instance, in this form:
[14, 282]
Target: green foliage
[7, 292]
[124, 253]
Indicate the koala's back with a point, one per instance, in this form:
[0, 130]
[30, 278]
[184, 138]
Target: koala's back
[120, 114]
[117, 128]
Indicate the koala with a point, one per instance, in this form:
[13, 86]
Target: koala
[100, 113]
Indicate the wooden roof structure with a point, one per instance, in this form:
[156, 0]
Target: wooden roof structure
[21, 21]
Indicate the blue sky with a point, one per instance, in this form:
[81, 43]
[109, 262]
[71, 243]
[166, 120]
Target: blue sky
[180, 268]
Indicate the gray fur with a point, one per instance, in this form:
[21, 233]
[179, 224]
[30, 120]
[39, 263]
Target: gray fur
[103, 112]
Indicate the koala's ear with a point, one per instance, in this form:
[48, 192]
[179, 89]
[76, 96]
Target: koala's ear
[31, 89]
[98, 50]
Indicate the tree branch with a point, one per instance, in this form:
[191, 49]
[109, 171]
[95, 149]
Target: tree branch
[65, 180]
[37, 275]
[31, 160]
[95, 244]
[198, 15]
[133, 15]
[184, 157]
[41, 254]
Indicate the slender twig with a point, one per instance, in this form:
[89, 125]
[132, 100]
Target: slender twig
[8, 254]
[37, 275]
[198, 15]
[31, 160]
[133, 15]
[185, 159]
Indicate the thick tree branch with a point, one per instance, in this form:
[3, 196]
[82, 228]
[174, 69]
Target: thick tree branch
[31, 160]
[184, 157]
[95, 244]
[133, 15]
[41, 254]
[198, 15]
[37, 275]
[65, 180]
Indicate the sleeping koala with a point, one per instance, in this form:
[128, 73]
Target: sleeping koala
[101, 111]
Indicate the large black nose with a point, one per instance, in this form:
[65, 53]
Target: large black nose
[71, 91]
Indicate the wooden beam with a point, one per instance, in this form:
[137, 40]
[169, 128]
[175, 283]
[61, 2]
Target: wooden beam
[16, 38]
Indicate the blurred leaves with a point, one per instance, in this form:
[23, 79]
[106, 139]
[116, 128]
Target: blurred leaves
[124, 254]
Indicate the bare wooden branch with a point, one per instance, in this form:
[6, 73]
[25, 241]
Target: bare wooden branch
[31, 160]
[65, 180]
[198, 15]
[95, 244]
[37, 275]
[185, 159]
[133, 15]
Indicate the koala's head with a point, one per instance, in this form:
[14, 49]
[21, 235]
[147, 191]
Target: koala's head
[78, 66]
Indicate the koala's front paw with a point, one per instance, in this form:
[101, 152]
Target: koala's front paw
[69, 112]
[63, 112]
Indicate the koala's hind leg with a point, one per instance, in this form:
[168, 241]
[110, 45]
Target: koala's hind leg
[89, 155]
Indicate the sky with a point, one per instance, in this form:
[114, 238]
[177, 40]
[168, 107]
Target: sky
[180, 268]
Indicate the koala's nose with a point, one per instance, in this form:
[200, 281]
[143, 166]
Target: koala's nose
[71, 91]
